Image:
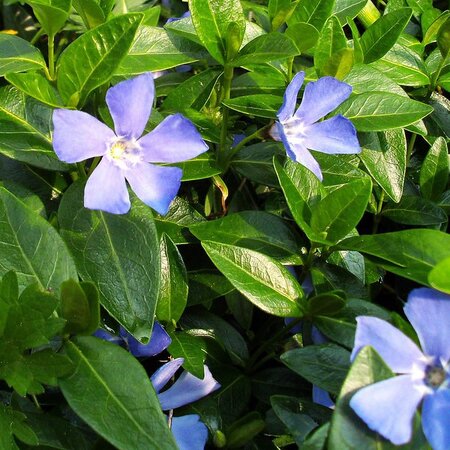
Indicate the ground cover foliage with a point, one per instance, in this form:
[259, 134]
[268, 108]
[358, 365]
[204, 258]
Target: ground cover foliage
[294, 263]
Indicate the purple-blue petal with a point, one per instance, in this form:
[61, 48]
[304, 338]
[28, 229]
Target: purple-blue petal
[106, 189]
[187, 389]
[189, 432]
[388, 407]
[428, 311]
[290, 97]
[322, 397]
[106, 336]
[299, 153]
[156, 186]
[175, 139]
[436, 419]
[398, 351]
[159, 341]
[130, 104]
[321, 97]
[162, 376]
[78, 136]
[335, 135]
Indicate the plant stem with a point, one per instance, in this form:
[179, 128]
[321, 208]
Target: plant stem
[369, 14]
[225, 95]
[51, 57]
[410, 148]
[257, 134]
[435, 77]
[36, 37]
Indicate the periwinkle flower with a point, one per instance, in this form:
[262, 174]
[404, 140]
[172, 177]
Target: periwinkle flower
[126, 154]
[189, 432]
[300, 130]
[388, 407]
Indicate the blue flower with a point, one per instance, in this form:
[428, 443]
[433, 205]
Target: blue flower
[300, 130]
[189, 432]
[388, 407]
[126, 155]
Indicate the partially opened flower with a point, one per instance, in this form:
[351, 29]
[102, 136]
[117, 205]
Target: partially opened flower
[189, 432]
[300, 130]
[388, 406]
[126, 155]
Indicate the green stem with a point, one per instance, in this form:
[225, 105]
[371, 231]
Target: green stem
[36, 402]
[225, 95]
[369, 14]
[410, 148]
[94, 164]
[257, 134]
[81, 171]
[51, 57]
[290, 66]
[377, 218]
[36, 37]
[435, 77]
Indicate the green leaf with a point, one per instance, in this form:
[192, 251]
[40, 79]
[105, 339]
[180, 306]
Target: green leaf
[430, 34]
[193, 93]
[18, 55]
[379, 111]
[207, 285]
[266, 48]
[36, 85]
[173, 292]
[199, 168]
[12, 423]
[340, 211]
[26, 125]
[384, 155]
[255, 230]
[279, 11]
[409, 253]
[191, 349]
[323, 365]
[344, 9]
[434, 170]
[155, 49]
[404, 66]
[92, 12]
[438, 276]
[259, 105]
[211, 19]
[51, 14]
[304, 35]
[379, 38]
[31, 246]
[120, 253]
[131, 415]
[414, 210]
[91, 60]
[443, 38]
[265, 282]
[315, 13]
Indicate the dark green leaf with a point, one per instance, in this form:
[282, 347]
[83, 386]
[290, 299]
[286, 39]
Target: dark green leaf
[205, 286]
[438, 276]
[191, 349]
[315, 13]
[344, 9]
[259, 105]
[443, 38]
[304, 35]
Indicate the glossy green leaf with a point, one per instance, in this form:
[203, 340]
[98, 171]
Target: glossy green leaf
[174, 287]
[379, 111]
[340, 211]
[155, 49]
[37, 86]
[256, 230]
[31, 246]
[315, 13]
[207, 285]
[323, 365]
[434, 171]
[120, 253]
[430, 35]
[378, 39]
[443, 38]
[131, 415]
[266, 48]
[279, 11]
[18, 55]
[26, 125]
[439, 276]
[409, 253]
[51, 14]
[259, 105]
[93, 12]
[348, 8]
[384, 155]
[211, 19]
[91, 60]
[191, 349]
[265, 282]
[304, 35]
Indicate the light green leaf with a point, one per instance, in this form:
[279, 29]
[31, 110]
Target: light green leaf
[51, 14]
[259, 105]
[439, 276]
[191, 349]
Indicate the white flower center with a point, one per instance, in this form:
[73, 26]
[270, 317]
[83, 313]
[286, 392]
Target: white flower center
[124, 153]
[294, 129]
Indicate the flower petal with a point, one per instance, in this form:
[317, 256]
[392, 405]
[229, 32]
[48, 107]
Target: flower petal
[107, 336]
[159, 341]
[189, 432]
[130, 103]
[162, 376]
[290, 97]
[388, 407]
[187, 389]
[175, 139]
[156, 186]
[299, 153]
[321, 97]
[322, 397]
[428, 311]
[335, 135]
[398, 351]
[78, 136]
[436, 419]
[106, 189]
